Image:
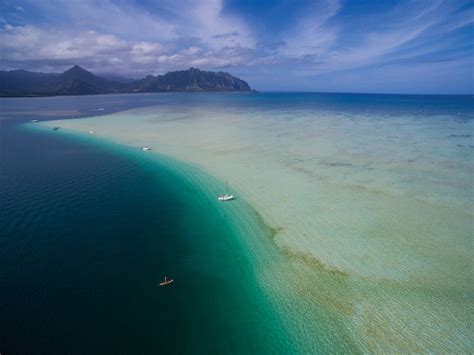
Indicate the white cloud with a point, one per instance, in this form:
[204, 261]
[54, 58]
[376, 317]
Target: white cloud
[123, 19]
[405, 24]
[32, 43]
[181, 34]
[211, 23]
[192, 51]
[147, 48]
[312, 35]
[146, 52]
[127, 37]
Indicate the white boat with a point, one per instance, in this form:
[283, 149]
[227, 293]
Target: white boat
[146, 148]
[33, 121]
[91, 132]
[227, 196]
[166, 281]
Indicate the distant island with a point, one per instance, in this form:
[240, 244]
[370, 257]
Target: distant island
[78, 81]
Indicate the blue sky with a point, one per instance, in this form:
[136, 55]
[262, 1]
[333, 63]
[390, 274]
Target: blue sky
[404, 46]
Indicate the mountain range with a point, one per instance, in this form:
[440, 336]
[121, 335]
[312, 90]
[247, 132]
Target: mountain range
[78, 81]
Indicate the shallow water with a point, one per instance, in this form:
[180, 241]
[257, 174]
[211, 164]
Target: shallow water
[87, 231]
[371, 195]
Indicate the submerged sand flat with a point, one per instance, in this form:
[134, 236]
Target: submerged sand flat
[373, 212]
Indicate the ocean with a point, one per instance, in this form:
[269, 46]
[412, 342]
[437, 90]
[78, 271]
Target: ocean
[351, 231]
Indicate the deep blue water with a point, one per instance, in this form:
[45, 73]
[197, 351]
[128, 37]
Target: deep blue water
[87, 231]
[461, 106]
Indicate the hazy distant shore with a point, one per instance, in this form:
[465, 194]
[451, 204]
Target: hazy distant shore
[78, 81]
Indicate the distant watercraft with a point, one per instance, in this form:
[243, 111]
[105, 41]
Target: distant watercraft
[33, 121]
[100, 109]
[56, 128]
[227, 196]
[91, 132]
[146, 148]
[166, 281]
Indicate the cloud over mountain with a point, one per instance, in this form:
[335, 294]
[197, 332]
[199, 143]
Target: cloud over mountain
[309, 45]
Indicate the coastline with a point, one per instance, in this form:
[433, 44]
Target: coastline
[356, 292]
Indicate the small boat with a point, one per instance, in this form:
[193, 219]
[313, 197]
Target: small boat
[91, 132]
[100, 109]
[146, 148]
[166, 281]
[227, 196]
[35, 120]
[56, 128]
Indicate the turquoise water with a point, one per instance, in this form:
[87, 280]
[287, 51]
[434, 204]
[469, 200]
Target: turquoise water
[352, 230]
[87, 232]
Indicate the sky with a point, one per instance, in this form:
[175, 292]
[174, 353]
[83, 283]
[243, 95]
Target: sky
[380, 46]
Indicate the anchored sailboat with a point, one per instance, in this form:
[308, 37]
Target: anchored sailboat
[227, 196]
[166, 281]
